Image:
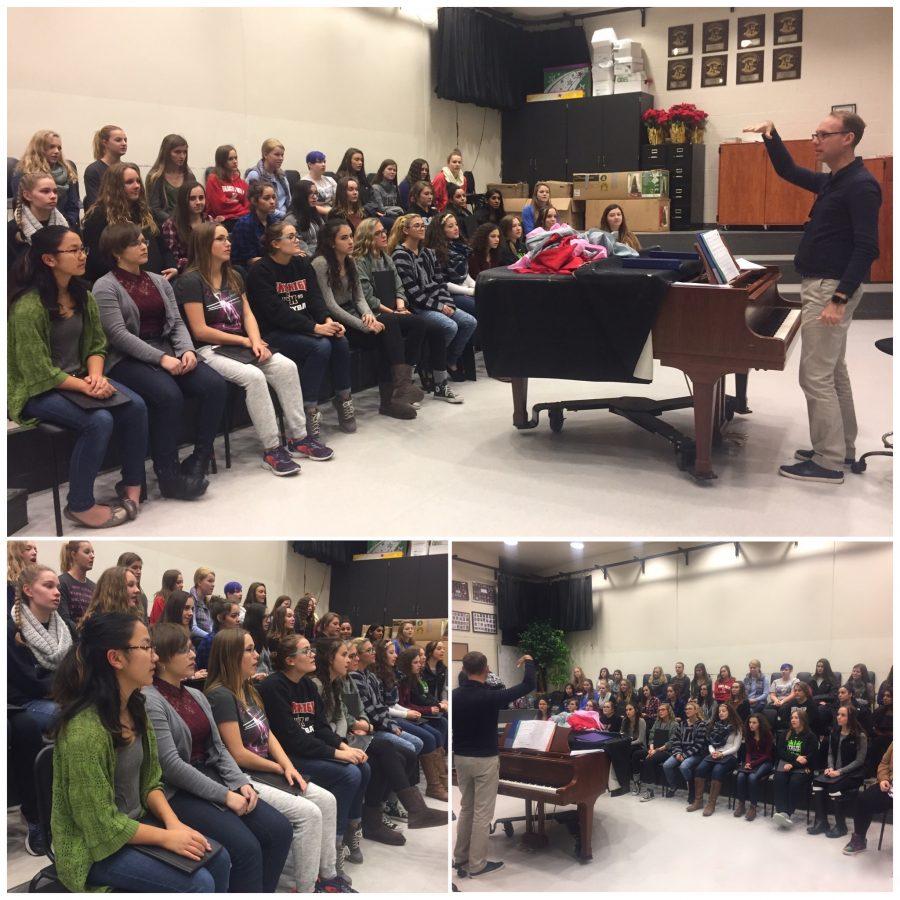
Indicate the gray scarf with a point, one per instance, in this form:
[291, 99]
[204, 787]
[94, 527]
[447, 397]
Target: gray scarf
[29, 222]
[49, 645]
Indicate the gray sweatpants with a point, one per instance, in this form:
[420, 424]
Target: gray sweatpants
[282, 374]
[478, 781]
[823, 374]
[314, 820]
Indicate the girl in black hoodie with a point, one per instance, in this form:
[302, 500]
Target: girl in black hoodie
[794, 767]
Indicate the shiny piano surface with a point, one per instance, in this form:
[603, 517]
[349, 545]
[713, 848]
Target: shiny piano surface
[707, 332]
[556, 777]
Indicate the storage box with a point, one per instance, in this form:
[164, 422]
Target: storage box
[560, 188]
[595, 185]
[424, 629]
[561, 95]
[629, 84]
[629, 68]
[510, 191]
[640, 215]
[627, 48]
[603, 89]
[571, 212]
[649, 183]
[567, 78]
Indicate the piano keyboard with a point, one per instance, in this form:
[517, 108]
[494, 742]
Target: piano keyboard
[528, 786]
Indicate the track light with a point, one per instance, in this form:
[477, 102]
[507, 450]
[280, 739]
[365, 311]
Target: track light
[576, 545]
[511, 543]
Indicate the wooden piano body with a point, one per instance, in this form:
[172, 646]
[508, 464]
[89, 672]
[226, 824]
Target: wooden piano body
[555, 777]
[708, 332]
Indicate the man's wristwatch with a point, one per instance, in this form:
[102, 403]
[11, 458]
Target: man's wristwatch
[840, 299]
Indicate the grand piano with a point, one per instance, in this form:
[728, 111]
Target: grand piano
[554, 777]
[594, 325]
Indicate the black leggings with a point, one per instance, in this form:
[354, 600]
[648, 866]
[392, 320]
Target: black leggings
[392, 767]
[25, 741]
[871, 801]
[650, 765]
[399, 343]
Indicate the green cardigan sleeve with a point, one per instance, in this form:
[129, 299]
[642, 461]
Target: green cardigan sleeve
[86, 824]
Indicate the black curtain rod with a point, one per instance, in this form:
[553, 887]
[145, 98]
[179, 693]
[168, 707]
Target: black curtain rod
[559, 20]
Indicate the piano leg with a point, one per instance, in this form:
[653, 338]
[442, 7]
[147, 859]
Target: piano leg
[520, 401]
[704, 416]
[585, 828]
[740, 393]
[534, 840]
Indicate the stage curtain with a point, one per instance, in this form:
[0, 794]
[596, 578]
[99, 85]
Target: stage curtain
[329, 551]
[565, 602]
[553, 47]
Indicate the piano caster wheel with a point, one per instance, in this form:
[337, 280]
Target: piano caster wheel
[858, 467]
[556, 420]
[508, 829]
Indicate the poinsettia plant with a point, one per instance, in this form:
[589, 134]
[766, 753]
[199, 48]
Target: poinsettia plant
[655, 118]
[689, 114]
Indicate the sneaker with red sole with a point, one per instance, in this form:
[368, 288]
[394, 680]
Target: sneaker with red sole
[278, 462]
[336, 885]
[309, 448]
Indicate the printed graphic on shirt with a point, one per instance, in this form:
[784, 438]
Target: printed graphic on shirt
[223, 311]
[303, 713]
[256, 729]
[293, 293]
[795, 745]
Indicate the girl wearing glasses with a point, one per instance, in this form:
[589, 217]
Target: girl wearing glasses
[37, 202]
[151, 352]
[55, 347]
[223, 326]
[305, 217]
[296, 714]
[107, 776]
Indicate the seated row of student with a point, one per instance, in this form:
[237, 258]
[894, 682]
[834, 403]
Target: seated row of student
[398, 346]
[414, 693]
[151, 352]
[56, 346]
[44, 156]
[429, 297]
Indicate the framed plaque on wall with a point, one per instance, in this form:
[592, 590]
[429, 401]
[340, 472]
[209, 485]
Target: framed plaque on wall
[715, 36]
[461, 590]
[484, 593]
[751, 32]
[749, 67]
[681, 40]
[461, 621]
[786, 63]
[678, 74]
[714, 70]
[484, 623]
[788, 27]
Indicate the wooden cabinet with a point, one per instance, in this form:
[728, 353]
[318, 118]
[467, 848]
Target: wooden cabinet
[750, 193]
[882, 167]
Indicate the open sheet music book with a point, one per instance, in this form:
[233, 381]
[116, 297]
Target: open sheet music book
[718, 257]
[530, 735]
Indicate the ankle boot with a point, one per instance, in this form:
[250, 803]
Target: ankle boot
[374, 829]
[820, 823]
[339, 861]
[419, 814]
[839, 829]
[313, 421]
[445, 784]
[193, 468]
[346, 414]
[351, 842]
[173, 485]
[699, 787]
[739, 809]
[432, 763]
[714, 788]
[403, 384]
[392, 405]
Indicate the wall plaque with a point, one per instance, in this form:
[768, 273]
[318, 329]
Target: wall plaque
[461, 590]
[788, 27]
[786, 63]
[678, 75]
[681, 40]
[749, 67]
[751, 32]
[714, 70]
[715, 36]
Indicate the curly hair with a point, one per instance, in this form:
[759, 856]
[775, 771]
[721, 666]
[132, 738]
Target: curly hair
[34, 158]
[113, 203]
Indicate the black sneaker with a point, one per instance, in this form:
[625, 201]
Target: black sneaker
[278, 462]
[670, 792]
[857, 845]
[807, 455]
[443, 391]
[490, 866]
[309, 448]
[810, 471]
[647, 795]
[461, 870]
[35, 845]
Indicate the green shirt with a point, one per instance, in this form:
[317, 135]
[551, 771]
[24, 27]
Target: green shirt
[29, 366]
[85, 822]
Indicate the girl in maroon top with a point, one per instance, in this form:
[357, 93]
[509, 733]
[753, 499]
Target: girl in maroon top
[414, 695]
[759, 756]
[722, 687]
[190, 211]
[485, 249]
[227, 194]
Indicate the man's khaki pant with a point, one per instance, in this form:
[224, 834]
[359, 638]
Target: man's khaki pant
[478, 778]
[823, 374]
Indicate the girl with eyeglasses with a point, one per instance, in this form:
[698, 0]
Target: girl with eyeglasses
[44, 156]
[241, 718]
[306, 218]
[56, 349]
[210, 792]
[122, 199]
[296, 713]
[107, 776]
[151, 352]
[286, 297]
[224, 328]
[226, 191]
[36, 206]
[167, 174]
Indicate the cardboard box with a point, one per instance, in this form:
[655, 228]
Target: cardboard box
[561, 95]
[627, 68]
[571, 212]
[627, 48]
[510, 191]
[641, 215]
[425, 629]
[629, 84]
[602, 89]
[650, 183]
[567, 78]
[560, 188]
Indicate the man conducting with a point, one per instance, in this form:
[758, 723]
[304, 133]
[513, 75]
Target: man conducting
[475, 710]
[839, 244]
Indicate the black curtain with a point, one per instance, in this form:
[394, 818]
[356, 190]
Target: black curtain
[487, 62]
[329, 551]
[565, 603]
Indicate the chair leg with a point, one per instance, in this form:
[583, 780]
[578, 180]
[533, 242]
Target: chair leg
[57, 509]
[212, 463]
[883, 823]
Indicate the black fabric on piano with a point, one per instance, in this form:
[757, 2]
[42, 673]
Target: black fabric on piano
[589, 326]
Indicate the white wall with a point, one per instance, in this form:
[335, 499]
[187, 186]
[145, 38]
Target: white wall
[777, 602]
[488, 644]
[319, 78]
[271, 562]
[847, 58]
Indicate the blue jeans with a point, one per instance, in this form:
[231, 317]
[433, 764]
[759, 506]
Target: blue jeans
[130, 870]
[45, 712]
[94, 428]
[685, 768]
[347, 782]
[439, 727]
[457, 329]
[313, 356]
[164, 395]
[258, 842]
[426, 735]
[410, 740]
[748, 782]
[465, 303]
[718, 767]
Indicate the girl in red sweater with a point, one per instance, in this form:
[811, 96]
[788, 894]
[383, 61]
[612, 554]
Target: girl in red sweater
[226, 192]
[722, 687]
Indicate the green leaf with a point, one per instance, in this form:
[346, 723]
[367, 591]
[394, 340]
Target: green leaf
[547, 645]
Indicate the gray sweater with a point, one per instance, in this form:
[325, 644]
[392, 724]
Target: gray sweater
[121, 320]
[343, 306]
[173, 740]
[366, 266]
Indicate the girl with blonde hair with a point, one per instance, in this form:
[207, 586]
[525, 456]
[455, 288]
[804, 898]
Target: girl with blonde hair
[44, 155]
[269, 171]
[19, 554]
[117, 590]
[110, 144]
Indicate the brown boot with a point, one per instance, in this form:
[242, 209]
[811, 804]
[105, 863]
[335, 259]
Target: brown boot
[699, 786]
[444, 781]
[391, 405]
[751, 813]
[374, 829]
[403, 385]
[714, 788]
[739, 809]
[432, 766]
[419, 814]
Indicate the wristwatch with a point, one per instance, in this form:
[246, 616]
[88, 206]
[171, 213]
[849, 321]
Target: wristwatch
[840, 299]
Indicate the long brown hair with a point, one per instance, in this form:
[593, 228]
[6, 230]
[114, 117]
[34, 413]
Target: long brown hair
[222, 172]
[626, 236]
[158, 169]
[226, 657]
[436, 239]
[342, 205]
[111, 594]
[383, 669]
[200, 258]
[181, 215]
[326, 250]
[115, 205]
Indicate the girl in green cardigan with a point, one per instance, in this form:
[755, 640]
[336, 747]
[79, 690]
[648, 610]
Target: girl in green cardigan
[55, 350]
[106, 772]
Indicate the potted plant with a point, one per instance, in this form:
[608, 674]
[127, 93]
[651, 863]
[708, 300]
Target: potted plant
[547, 646]
[655, 122]
[685, 121]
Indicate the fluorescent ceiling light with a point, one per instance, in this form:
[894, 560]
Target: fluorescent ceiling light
[511, 543]
[576, 545]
